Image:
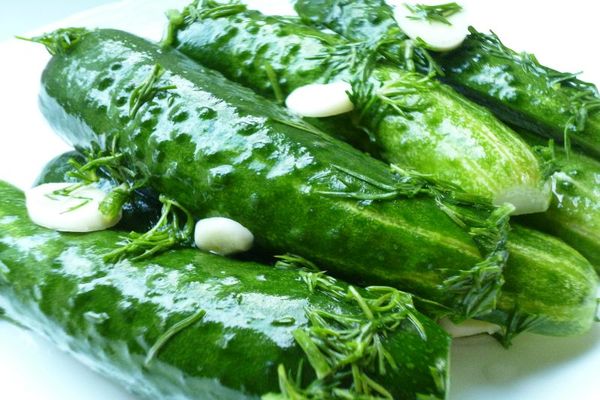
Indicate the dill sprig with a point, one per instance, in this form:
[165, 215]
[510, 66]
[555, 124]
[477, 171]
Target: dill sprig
[433, 13]
[169, 231]
[346, 349]
[516, 322]
[584, 97]
[147, 90]
[400, 96]
[59, 41]
[169, 333]
[473, 291]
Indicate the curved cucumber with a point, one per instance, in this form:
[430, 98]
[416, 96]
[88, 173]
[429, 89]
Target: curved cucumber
[221, 150]
[112, 315]
[515, 86]
[140, 213]
[416, 123]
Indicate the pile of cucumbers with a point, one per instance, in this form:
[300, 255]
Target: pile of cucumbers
[369, 227]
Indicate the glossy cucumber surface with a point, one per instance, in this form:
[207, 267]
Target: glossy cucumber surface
[221, 150]
[437, 132]
[574, 214]
[110, 315]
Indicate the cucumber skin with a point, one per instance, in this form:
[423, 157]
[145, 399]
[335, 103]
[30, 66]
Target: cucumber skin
[574, 214]
[139, 214]
[232, 353]
[450, 135]
[273, 168]
[547, 279]
[516, 96]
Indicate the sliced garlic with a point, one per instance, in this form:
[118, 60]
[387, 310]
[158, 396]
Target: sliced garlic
[469, 327]
[525, 199]
[222, 236]
[437, 35]
[77, 211]
[320, 100]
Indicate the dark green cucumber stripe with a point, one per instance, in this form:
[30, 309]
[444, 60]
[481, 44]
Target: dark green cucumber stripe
[219, 149]
[110, 315]
[448, 137]
[514, 86]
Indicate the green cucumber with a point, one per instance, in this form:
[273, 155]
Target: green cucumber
[224, 326]
[515, 86]
[342, 234]
[574, 214]
[140, 213]
[550, 288]
[221, 150]
[417, 123]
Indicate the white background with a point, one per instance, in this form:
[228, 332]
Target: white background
[563, 34]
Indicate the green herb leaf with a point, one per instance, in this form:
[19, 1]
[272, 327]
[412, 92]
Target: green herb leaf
[346, 349]
[168, 232]
[147, 90]
[172, 331]
[434, 13]
[60, 41]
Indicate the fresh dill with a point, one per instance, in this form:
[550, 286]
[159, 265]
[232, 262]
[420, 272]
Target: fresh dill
[172, 331]
[584, 98]
[346, 349]
[147, 90]
[475, 289]
[516, 322]
[272, 76]
[59, 41]
[174, 227]
[433, 13]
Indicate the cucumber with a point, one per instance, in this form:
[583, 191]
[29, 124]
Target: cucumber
[417, 123]
[515, 86]
[574, 214]
[241, 319]
[140, 213]
[550, 288]
[220, 150]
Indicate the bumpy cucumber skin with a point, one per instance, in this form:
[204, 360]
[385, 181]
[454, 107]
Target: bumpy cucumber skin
[108, 315]
[140, 213]
[209, 134]
[549, 281]
[451, 139]
[224, 44]
[518, 96]
[574, 214]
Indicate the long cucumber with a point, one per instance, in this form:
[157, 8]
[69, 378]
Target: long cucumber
[515, 86]
[219, 149]
[190, 325]
[382, 258]
[416, 123]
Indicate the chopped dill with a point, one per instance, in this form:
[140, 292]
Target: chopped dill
[433, 13]
[172, 331]
[59, 41]
[346, 349]
[167, 233]
[147, 90]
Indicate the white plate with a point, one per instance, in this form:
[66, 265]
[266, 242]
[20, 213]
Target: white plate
[562, 34]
